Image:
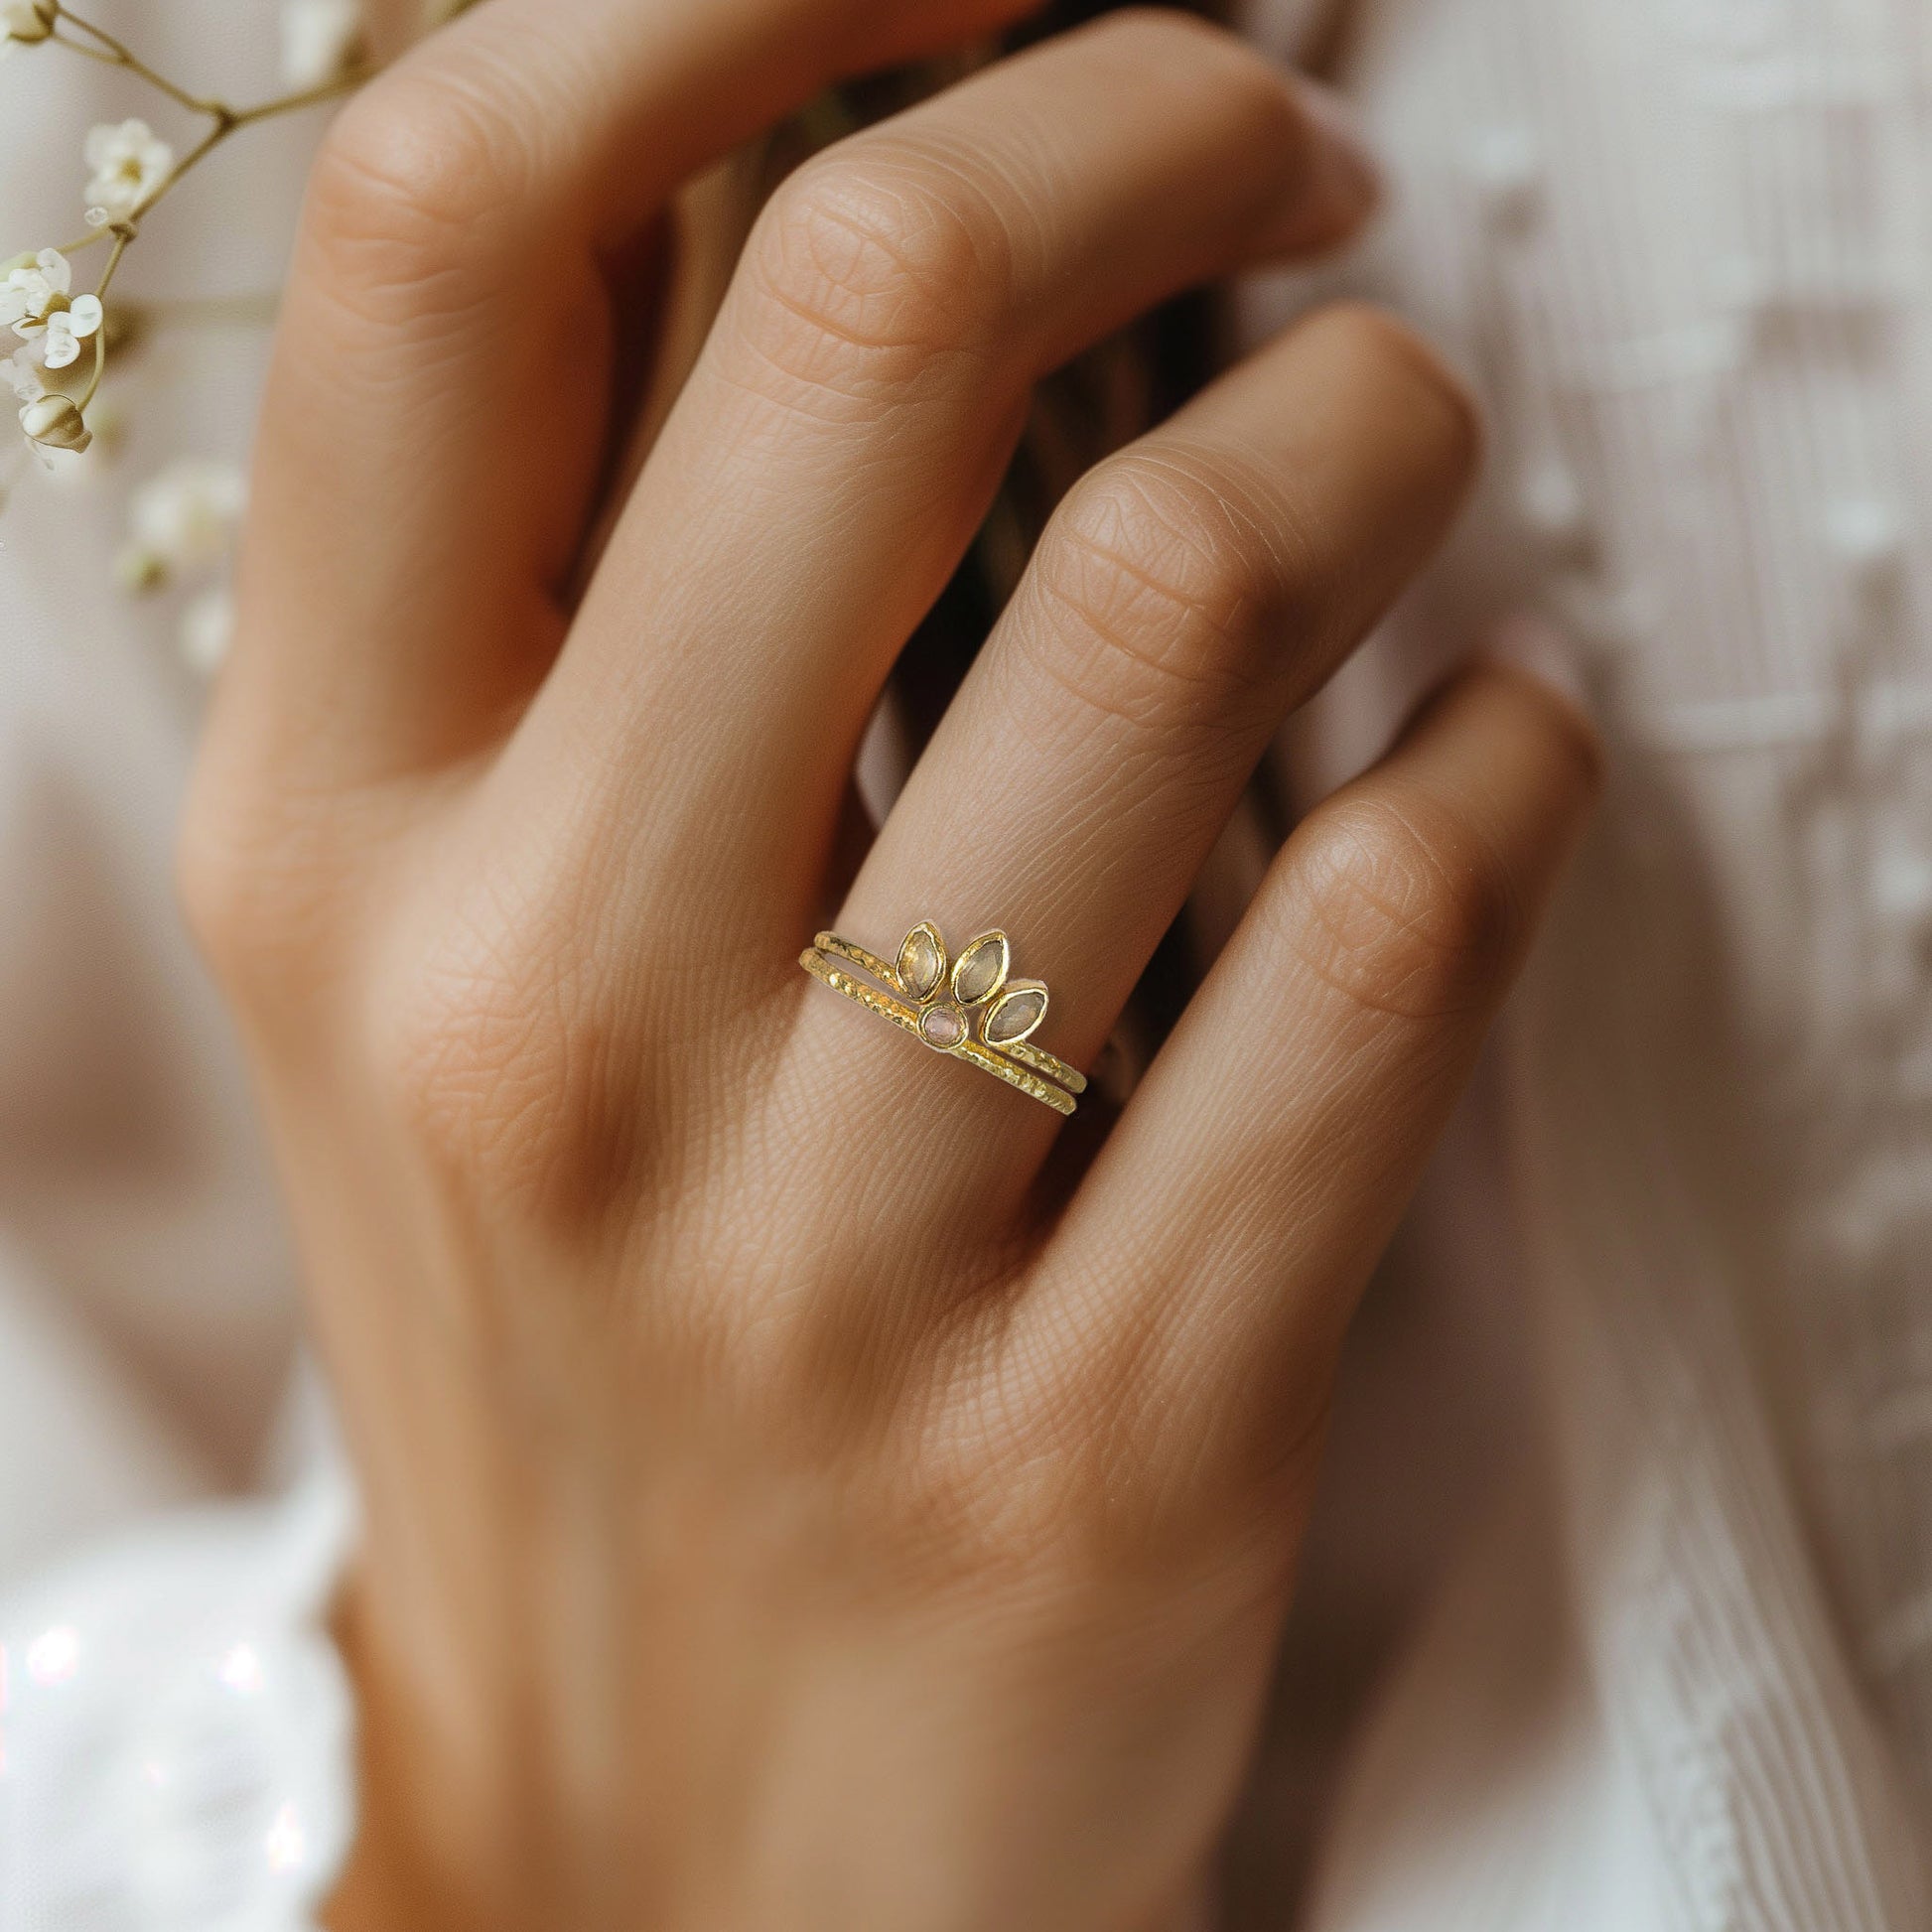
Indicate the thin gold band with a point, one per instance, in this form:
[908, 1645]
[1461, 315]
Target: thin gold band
[1018, 1063]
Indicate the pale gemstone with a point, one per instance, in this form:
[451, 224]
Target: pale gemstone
[980, 970]
[941, 1027]
[921, 962]
[1017, 1014]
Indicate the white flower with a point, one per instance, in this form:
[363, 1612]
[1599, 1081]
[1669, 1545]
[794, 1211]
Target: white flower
[24, 22]
[206, 628]
[35, 287]
[322, 41]
[68, 327]
[34, 301]
[36, 304]
[186, 516]
[55, 423]
[130, 163]
[21, 376]
[107, 430]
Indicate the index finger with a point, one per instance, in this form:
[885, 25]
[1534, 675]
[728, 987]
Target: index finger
[437, 407]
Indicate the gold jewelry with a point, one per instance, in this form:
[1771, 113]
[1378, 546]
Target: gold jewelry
[942, 1001]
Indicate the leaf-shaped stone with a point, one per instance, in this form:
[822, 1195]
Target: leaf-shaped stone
[923, 960]
[1021, 1008]
[982, 969]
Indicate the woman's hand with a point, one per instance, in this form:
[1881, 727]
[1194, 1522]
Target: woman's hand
[775, 1517]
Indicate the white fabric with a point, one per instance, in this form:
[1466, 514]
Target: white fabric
[1681, 1679]
[1670, 1669]
[178, 1728]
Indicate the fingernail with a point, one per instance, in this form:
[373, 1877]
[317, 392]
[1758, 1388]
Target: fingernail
[1535, 649]
[1345, 186]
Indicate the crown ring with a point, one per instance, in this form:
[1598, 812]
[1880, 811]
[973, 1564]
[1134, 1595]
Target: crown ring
[971, 1007]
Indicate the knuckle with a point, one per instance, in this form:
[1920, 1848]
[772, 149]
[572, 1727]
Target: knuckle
[1403, 909]
[871, 264]
[504, 1069]
[212, 887]
[1158, 579]
[262, 892]
[410, 182]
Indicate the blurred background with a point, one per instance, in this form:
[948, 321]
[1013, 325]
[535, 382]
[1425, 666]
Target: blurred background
[147, 1306]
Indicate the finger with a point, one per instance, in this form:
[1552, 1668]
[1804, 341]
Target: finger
[843, 434]
[436, 412]
[1212, 1258]
[1188, 594]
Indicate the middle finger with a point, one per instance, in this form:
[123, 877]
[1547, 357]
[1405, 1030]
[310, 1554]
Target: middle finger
[836, 446]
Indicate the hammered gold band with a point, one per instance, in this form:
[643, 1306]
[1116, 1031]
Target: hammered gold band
[970, 1007]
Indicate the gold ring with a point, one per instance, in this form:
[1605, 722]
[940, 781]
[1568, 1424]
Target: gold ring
[970, 1007]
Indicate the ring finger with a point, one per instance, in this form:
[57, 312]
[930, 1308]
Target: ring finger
[1190, 592]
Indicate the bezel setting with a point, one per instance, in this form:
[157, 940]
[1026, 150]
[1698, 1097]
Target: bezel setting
[968, 1008]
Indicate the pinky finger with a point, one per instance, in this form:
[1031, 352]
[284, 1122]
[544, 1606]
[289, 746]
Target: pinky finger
[1215, 1251]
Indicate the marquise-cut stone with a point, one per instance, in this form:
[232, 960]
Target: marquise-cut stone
[920, 961]
[942, 1026]
[1016, 1016]
[982, 969]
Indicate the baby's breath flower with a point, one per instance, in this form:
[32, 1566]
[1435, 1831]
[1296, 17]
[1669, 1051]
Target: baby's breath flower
[188, 517]
[206, 630]
[184, 517]
[21, 376]
[139, 571]
[36, 302]
[107, 430]
[130, 163]
[24, 22]
[323, 41]
[54, 422]
[68, 327]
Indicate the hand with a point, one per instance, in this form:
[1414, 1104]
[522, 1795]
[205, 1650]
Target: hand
[778, 1514]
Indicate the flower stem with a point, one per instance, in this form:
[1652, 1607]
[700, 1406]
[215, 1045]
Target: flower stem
[96, 44]
[81, 401]
[86, 240]
[123, 233]
[118, 54]
[104, 47]
[346, 83]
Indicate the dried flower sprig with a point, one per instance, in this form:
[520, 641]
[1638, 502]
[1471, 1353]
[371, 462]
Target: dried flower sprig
[132, 169]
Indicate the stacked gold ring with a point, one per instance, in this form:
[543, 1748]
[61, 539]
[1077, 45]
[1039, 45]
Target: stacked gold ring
[970, 1007]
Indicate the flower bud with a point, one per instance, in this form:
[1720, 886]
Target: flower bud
[139, 570]
[27, 21]
[55, 423]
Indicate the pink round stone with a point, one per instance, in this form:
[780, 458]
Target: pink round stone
[942, 1026]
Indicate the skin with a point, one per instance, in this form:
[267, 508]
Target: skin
[789, 1504]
